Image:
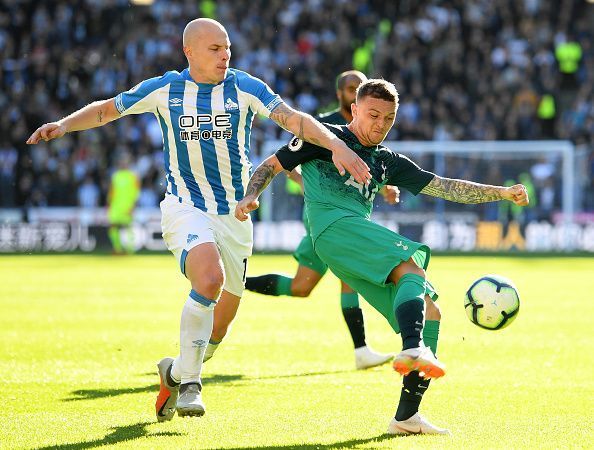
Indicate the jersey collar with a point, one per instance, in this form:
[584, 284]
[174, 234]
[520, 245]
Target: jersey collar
[358, 144]
[204, 86]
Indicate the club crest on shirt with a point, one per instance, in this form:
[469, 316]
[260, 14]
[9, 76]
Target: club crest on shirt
[230, 105]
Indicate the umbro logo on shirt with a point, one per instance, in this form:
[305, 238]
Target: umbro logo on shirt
[175, 102]
[192, 238]
[230, 105]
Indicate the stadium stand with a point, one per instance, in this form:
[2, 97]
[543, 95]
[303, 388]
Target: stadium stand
[466, 70]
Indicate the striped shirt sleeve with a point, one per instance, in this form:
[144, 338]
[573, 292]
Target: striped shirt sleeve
[264, 99]
[142, 97]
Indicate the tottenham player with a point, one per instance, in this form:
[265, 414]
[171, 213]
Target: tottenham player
[311, 269]
[387, 269]
[205, 113]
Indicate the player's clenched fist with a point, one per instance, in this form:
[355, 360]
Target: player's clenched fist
[246, 206]
[517, 194]
[47, 132]
[391, 194]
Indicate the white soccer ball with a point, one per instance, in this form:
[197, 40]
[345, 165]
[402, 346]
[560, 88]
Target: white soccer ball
[492, 302]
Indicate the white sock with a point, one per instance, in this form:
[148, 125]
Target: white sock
[176, 369]
[195, 329]
[210, 349]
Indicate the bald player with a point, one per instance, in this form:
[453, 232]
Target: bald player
[205, 113]
[311, 269]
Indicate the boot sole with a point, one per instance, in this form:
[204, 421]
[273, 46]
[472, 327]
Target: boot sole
[190, 412]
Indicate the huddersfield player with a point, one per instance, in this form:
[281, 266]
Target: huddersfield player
[387, 269]
[311, 269]
[205, 113]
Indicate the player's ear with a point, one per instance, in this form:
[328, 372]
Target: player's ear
[354, 110]
[187, 51]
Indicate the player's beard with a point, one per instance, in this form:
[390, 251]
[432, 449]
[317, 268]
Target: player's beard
[346, 107]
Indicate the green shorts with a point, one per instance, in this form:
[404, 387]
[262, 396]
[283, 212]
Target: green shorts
[306, 256]
[119, 216]
[362, 254]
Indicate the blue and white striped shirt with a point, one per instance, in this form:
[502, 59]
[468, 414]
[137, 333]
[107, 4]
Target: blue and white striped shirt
[206, 132]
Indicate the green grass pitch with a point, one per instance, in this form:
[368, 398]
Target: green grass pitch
[80, 336]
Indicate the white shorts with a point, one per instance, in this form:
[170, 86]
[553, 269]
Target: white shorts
[185, 226]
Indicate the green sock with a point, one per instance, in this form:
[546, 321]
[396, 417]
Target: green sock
[114, 237]
[349, 300]
[284, 285]
[270, 284]
[431, 335]
[409, 306]
[410, 287]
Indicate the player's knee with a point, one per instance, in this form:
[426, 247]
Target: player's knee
[417, 270]
[405, 268]
[432, 311]
[209, 284]
[345, 288]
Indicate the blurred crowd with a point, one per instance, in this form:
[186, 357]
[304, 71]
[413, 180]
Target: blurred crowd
[465, 70]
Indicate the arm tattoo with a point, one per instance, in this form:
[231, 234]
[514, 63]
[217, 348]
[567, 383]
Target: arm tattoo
[100, 116]
[300, 136]
[260, 179]
[462, 191]
[281, 115]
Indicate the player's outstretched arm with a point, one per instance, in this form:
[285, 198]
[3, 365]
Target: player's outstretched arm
[306, 128]
[258, 182]
[91, 116]
[462, 191]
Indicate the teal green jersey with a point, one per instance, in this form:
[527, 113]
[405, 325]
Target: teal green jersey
[333, 117]
[330, 196]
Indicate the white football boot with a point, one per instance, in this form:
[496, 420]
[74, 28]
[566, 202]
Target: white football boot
[366, 358]
[415, 424]
[420, 359]
[189, 402]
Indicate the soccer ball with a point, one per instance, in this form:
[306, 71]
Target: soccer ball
[492, 302]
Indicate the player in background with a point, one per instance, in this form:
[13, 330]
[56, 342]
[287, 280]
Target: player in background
[387, 269]
[205, 113]
[311, 269]
[124, 190]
